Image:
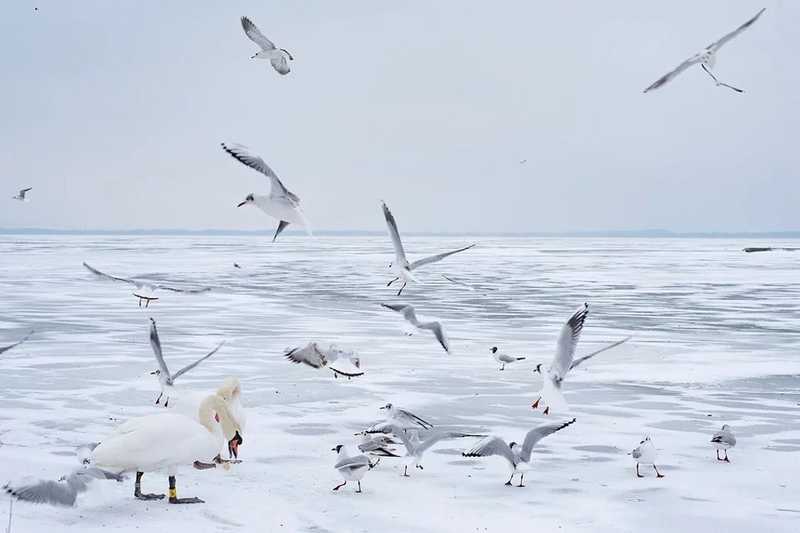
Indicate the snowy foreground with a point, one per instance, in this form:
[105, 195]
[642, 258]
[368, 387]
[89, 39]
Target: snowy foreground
[705, 352]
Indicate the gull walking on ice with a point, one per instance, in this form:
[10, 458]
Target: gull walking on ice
[645, 453]
[722, 440]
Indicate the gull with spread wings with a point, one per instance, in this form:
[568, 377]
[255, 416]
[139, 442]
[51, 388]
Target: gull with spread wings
[339, 361]
[4, 349]
[706, 58]
[433, 326]
[145, 290]
[401, 267]
[280, 203]
[276, 56]
[21, 195]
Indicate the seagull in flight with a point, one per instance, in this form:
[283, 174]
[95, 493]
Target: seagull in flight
[411, 317]
[564, 360]
[316, 357]
[518, 456]
[706, 58]
[165, 378]
[145, 291]
[21, 195]
[400, 266]
[276, 56]
[281, 203]
[4, 349]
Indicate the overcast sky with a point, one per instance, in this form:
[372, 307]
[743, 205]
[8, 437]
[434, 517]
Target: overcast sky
[114, 111]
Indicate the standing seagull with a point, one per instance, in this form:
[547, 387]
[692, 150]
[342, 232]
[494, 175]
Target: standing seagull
[401, 267]
[352, 467]
[564, 360]
[518, 457]
[4, 349]
[165, 378]
[280, 203]
[722, 440]
[408, 313]
[276, 56]
[706, 58]
[645, 453]
[21, 195]
[503, 358]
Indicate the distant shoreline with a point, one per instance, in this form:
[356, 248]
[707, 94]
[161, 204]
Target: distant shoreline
[664, 234]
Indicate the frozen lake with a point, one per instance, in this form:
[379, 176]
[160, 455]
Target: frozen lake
[716, 339]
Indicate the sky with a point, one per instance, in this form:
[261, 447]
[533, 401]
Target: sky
[113, 112]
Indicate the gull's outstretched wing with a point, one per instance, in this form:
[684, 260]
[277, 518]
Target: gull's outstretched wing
[255, 35]
[23, 339]
[191, 366]
[280, 64]
[23, 191]
[674, 72]
[394, 233]
[437, 436]
[241, 154]
[580, 360]
[438, 331]
[310, 355]
[567, 341]
[537, 434]
[406, 310]
[492, 446]
[155, 343]
[716, 45]
[109, 276]
[408, 416]
[185, 291]
[63, 492]
[437, 257]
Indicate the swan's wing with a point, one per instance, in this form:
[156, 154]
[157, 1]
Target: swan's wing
[23, 339]
[109, 276]
[311, 355]
[155, 343]
[567, 341]
[241, 154]
[437, 257]
[537, 434]
[674, 72]
[492, 446]
[280, 64]
[580, 360]
[191, 366]
[716, 45]
[394, 233]
[255, 35]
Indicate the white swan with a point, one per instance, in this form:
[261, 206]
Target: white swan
[153, 443]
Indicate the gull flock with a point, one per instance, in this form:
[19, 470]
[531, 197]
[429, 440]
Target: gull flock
[203, 427]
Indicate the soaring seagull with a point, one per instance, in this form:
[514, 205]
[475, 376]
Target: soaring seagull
[411, 317]
[276, 56]
[315, 356]
[706, 58]
[21, 195]
[401, 266]
[145, 290]
[280, 203]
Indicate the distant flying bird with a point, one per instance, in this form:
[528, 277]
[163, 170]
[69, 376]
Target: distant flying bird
[276, 56]
[165, 378]
[518, 456]
[411, 317]
[280, 203]
[564, 360]
[706, 58]
[21, 195]
[316, 357]
[401, 267]
[503, 358]
[523, 161]
[145, 290]
[722, 440]
[4, 349]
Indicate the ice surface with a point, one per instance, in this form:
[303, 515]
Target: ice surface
[715, 340]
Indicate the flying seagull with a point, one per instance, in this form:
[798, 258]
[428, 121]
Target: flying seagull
[280, 203]
[722, 440]
[4, 349]
[564, 360]
[411, 317]
[145, 291]
[276, 56]
[165, 378]
[21, 195]
[518, 456]
[316, 357]
[415, 446]
[706, 58]
[400, 266]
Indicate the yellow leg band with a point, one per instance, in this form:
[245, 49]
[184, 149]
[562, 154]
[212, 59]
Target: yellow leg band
[173, 493]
